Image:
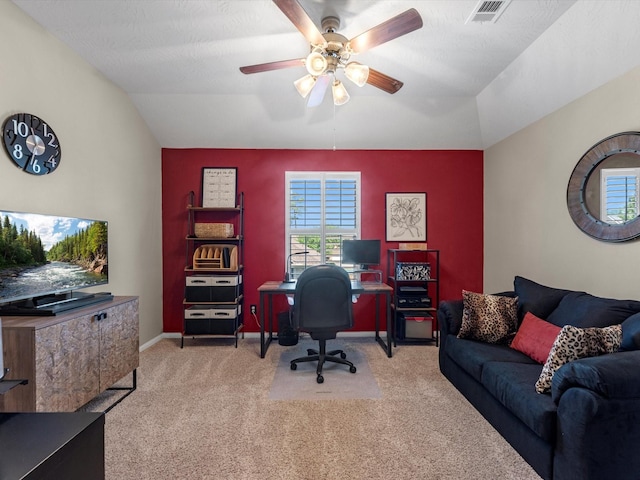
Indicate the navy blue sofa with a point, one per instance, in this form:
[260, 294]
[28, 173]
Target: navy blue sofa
[588, 426]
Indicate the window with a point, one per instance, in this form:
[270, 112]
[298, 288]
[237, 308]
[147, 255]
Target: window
[321, 210]
[619, 193]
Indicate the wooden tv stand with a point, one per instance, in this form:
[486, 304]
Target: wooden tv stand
[70, 358]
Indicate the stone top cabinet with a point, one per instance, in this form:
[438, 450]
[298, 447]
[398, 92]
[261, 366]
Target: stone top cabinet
[70, 358]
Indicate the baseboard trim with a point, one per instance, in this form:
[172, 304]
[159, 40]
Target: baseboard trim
[340, 334]
[251, 335]
[155, 340]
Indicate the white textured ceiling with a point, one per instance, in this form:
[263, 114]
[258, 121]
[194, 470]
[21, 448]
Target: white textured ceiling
[178, 61]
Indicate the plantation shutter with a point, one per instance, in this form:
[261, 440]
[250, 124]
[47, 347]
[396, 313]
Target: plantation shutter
[322, 209]
[619, 194]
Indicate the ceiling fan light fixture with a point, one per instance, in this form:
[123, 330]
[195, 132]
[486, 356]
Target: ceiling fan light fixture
[357, 73]
[304, 85]
[340, 94]
[316, 63]
[331, 51]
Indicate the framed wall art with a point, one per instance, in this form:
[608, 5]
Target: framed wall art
[219, 187]
[406, 217]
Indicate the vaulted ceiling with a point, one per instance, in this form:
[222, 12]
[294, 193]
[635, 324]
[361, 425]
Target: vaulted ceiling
[178, 60]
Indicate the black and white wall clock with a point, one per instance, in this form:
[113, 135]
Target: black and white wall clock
[31, 143]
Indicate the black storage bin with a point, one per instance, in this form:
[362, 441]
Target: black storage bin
[207, 326]
[211, 320]
[213, 288]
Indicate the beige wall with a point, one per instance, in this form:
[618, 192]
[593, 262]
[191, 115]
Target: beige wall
[110, 167]
[528, 230]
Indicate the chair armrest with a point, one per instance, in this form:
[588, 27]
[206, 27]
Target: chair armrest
[613, 375]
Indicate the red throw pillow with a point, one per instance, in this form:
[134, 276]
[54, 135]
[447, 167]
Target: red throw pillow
[535, 337]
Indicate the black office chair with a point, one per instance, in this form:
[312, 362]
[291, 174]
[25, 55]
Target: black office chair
[322, 307]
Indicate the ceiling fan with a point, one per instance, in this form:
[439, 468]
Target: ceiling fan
[330, 51]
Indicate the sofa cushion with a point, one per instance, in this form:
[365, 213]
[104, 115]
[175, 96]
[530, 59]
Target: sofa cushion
[535, 337]
[573, 343]
[584, 310]
[488, 318]
[512, 384]
[472, 355]
[535, 298]
[631, 333]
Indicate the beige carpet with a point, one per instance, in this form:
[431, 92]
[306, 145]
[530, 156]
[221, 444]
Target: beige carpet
[339, 384]
[203, 412]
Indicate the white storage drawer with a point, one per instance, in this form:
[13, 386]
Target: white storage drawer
[418, 327]
[211, 312]
[214, 280]
[214, 288]
[211, 320]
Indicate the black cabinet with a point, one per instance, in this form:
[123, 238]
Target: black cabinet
[38, 446]
[213, 287]
[415, 278]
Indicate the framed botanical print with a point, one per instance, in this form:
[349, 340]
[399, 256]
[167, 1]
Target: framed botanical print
[219, 187]
[406, 217]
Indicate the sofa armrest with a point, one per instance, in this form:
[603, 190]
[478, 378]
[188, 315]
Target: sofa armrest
[613, 375]
[598, 417]
[450, 316]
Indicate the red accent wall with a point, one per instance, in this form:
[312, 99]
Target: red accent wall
[453, 180]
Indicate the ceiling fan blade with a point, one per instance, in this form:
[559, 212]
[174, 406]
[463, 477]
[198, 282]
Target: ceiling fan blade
[393, 28]
[383, 82]
[294, 12]
[267, 67]
[317, 94]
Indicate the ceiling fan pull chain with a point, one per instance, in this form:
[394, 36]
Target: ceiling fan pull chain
[334, 127]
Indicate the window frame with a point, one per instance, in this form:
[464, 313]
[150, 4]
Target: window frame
[322, 230]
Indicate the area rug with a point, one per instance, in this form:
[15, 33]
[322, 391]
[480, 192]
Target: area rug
[339, 383]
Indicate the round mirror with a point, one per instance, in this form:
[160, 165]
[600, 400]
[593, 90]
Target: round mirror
[603, 189]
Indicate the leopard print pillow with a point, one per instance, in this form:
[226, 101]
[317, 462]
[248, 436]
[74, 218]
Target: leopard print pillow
[488, 318]
[573, 343]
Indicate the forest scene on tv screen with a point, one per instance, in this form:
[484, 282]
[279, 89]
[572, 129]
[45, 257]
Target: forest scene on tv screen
[41, 254]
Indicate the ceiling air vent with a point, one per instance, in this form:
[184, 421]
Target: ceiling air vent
[488, 11]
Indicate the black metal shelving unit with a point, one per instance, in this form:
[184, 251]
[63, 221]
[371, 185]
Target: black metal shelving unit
[213, 297]
[415, 278]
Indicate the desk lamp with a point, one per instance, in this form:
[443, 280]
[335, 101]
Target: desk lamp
[288, 277]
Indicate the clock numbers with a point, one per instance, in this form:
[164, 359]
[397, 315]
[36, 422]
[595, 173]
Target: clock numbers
[49, 134]
[31, 144]
[17, 152]
[20, 128]
[52, 162]
[35, 166]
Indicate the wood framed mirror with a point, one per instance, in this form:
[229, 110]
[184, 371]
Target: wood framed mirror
[602, 195]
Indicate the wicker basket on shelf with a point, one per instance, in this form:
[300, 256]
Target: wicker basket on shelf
[213, 230]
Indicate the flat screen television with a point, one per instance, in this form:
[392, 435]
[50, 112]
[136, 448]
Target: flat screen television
[46, 259]
[363, 253]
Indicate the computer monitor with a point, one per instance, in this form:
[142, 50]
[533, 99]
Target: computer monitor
[363, 253]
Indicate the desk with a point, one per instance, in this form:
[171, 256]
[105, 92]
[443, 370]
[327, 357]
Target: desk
[273, 287]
